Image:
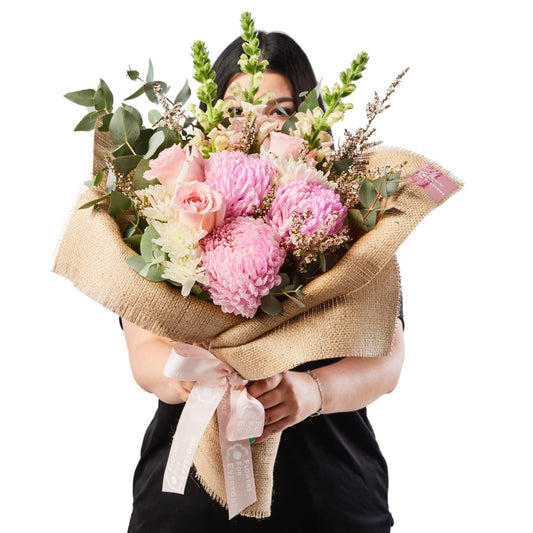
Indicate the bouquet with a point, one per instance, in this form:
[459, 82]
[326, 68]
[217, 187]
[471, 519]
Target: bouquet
[257, 237]
[228, 203]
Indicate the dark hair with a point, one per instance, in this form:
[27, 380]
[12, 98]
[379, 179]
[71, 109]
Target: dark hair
[284, 56]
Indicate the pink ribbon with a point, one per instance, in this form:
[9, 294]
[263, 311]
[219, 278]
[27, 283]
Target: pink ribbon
[240, 417]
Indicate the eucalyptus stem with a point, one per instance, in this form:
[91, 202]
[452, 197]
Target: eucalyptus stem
[371, 208]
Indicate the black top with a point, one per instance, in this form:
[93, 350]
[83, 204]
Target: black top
[329, 476]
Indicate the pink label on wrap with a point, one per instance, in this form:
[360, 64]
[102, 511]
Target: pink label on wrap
[433, 182]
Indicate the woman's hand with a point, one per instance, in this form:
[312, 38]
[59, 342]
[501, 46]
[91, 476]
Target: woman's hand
[347, 385]
[174, 391]
[288, 398]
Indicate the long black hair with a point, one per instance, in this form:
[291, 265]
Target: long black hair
[284, 56]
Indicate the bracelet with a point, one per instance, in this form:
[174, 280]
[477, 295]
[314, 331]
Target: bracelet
[321, 392]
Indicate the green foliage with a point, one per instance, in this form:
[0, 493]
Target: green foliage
[203, 73]
[88, 122]
[249, 60]
[127, 163]
[85, 97]
[271, 303]
[103, 98]
[184, 94]
[139, 182]
[94, 202]
[149, 263]
[364, 216]
[124, 128]
[207, 90]
[118, 203]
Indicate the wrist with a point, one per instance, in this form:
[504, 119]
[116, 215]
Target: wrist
[320, 394]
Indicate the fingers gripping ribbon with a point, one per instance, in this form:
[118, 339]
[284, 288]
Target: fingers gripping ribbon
[240, 417]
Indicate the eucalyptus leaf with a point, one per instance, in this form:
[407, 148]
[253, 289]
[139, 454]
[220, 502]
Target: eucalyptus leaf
[138, 178]
[132, 74]
[342, 165]
[300, 304]
[111, 182]
[156, 140]
[285, 280]
[155, 273]
[170, 137]
[150, 93]
[154, 116]
[289, 124]
[184, 93]
[105, 120]
[94, 202]
[136, 94]
[98, 178]
[147, 245]
[126, 164]
[367, 193]
[311, 100]
[371, 219]
[119, 203]
[271, 305]
[141, 144]
[392, 187]
[124, 127]
[122, 151]
[103, 98]
[355, 219]
[136, 262]
[135, 113]
[200, 293]
[322, 262]
[85, 97]
[380, 184]
[150, 73]
[88, 122]
[130, 232]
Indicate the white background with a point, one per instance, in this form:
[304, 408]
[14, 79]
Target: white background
[456, 432]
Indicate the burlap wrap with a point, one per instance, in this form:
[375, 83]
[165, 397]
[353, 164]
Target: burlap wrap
[350, 310]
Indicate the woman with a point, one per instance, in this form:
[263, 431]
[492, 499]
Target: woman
[329, 474]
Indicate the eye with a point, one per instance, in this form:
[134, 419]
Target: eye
[282, 112]
[235, 111]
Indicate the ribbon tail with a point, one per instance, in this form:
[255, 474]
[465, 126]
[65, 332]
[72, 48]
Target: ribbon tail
[196, 414]
[237, 464]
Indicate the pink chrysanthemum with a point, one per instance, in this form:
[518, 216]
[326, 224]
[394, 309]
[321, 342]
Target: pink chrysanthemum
[242, 259]
[319, 204]
[242, 179]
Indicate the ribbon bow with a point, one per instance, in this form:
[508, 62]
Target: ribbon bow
[240, 417]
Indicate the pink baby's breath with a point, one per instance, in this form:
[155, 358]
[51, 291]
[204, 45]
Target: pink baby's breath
[242, 259]
[242, 179]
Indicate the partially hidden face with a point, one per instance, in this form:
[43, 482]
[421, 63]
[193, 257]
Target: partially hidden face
[274, 83]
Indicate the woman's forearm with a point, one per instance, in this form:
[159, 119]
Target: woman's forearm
[148, 356]
[354, 382]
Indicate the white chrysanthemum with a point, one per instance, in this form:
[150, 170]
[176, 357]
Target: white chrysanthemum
[178, 240]
[291, 170]
[181, 244]
[158, 199]
[185, 271]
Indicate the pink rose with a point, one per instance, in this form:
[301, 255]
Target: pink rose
[284, 145]
[176, 165]
[195, 204]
